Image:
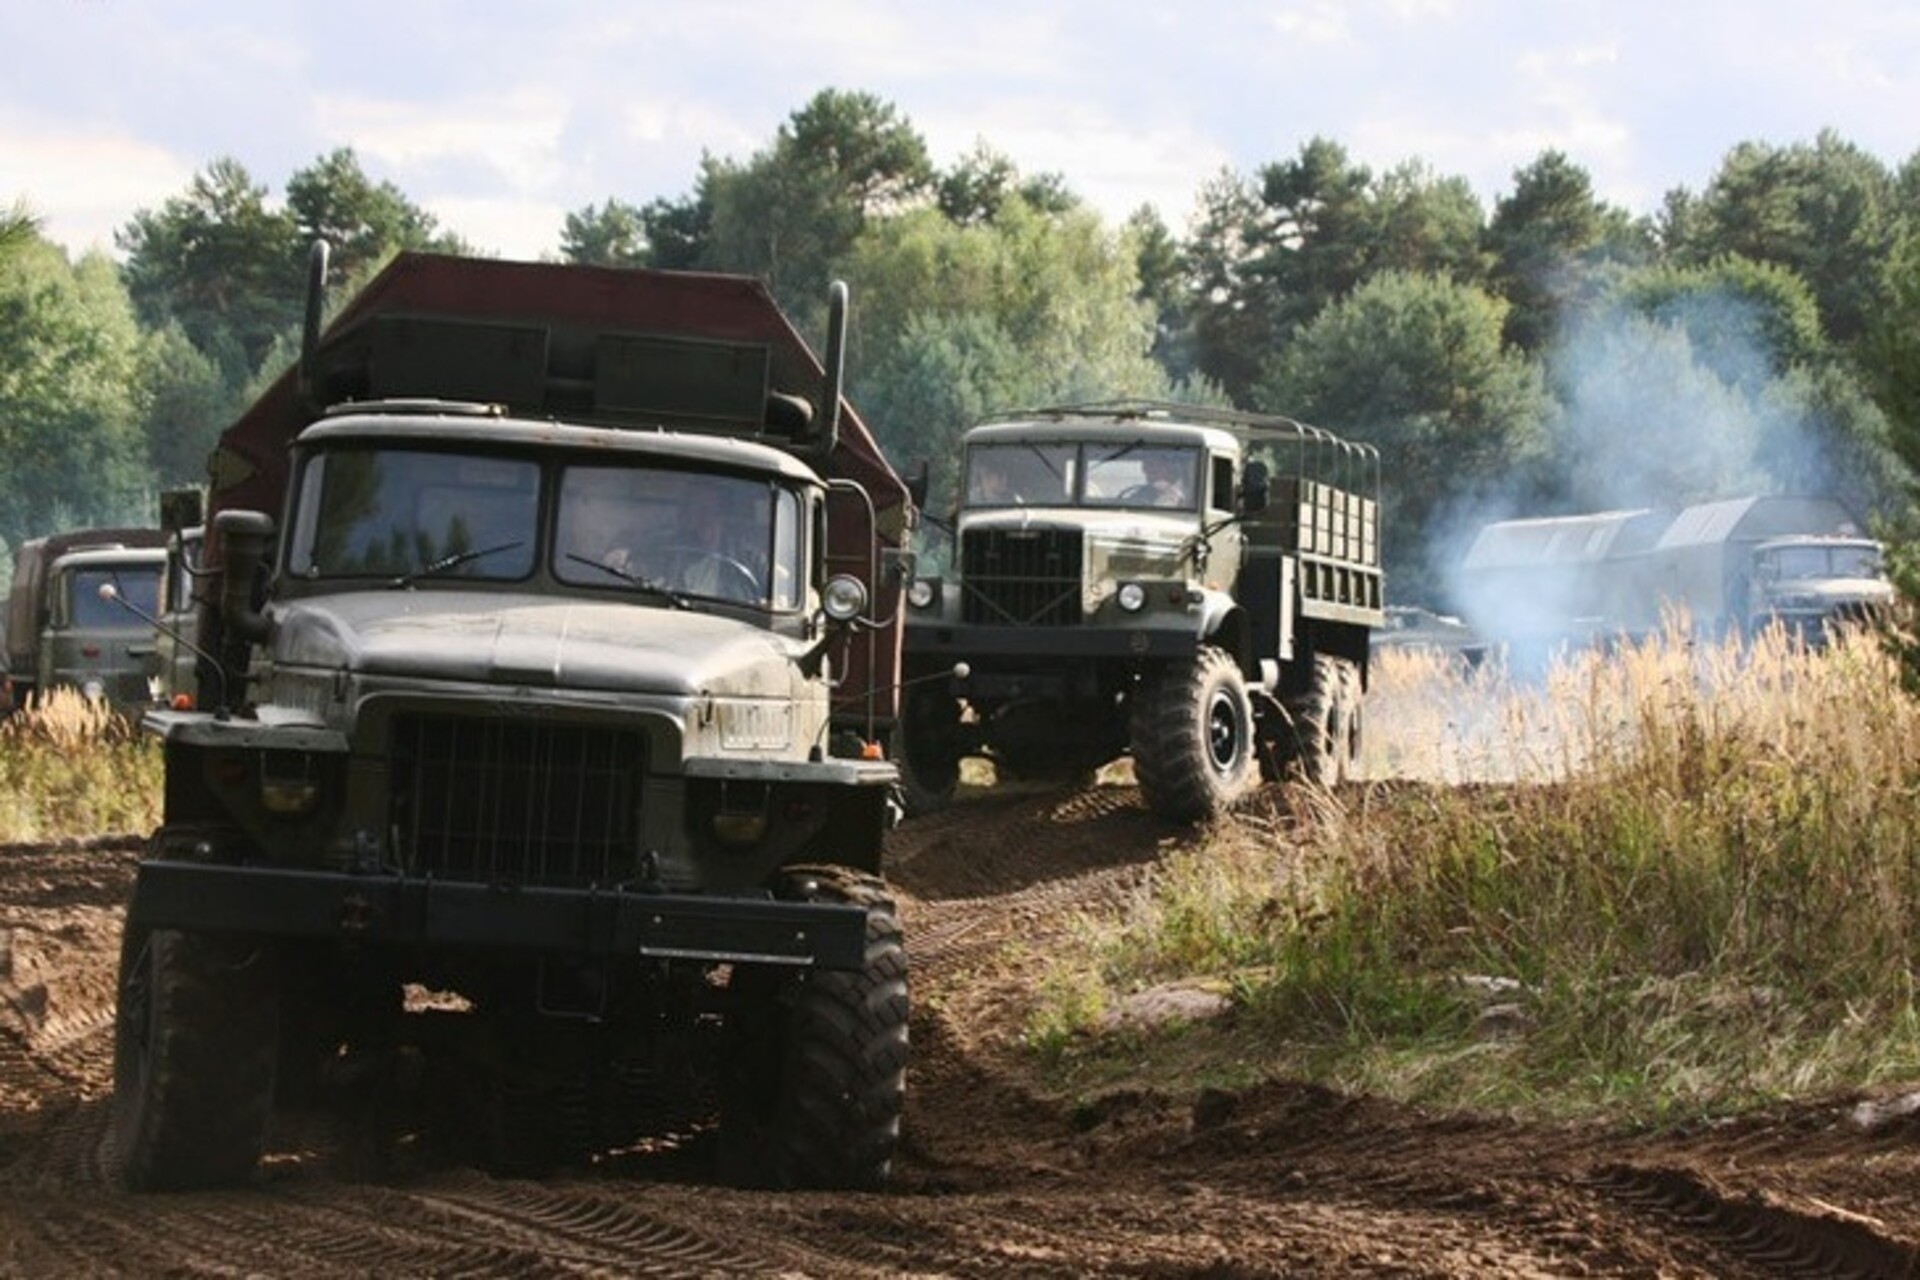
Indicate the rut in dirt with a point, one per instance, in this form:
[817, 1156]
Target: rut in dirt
[999, 1176]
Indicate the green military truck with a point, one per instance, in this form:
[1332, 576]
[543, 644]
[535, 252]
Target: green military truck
[502, 788]
[1194, 586]
[62, 634]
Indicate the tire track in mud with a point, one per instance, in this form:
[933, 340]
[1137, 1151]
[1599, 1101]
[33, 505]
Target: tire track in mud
[983, 875]
[1788, 1241]
[243, 1234]
[996, 1177]
[583, 1225]
[980, 882]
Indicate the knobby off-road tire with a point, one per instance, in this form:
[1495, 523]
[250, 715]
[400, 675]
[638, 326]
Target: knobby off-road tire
[1321, 745]
[926, 751]
[817, 1065]
[196, 1033]
[1193, 737]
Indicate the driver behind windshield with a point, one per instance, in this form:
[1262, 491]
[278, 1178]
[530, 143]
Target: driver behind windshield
[723, 549]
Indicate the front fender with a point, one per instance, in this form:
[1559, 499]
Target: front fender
[1225, 625]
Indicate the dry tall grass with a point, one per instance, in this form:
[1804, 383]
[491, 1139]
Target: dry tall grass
[1675, 877]
[72, 767]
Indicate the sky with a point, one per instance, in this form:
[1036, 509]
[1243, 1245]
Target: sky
[501, 116]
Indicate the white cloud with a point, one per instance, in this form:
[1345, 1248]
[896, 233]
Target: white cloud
[1116, 166]
[1547, 99]
[527, 230]
[1319, 22]
[514, 134]
[84, 185]
[1421, 10]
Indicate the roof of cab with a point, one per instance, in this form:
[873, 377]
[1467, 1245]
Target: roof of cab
[452, 425]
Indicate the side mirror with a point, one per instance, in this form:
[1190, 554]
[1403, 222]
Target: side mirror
[897, 565]
[1254, 487]
[182, 509]
[918, 481]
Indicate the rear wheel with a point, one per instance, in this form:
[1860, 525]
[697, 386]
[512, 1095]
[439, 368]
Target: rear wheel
[927, 749]
[195, 1038]
[818, 1061]
[1192, 730]
[1318, 740]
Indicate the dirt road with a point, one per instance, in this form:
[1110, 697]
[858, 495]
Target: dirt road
[996, 1179]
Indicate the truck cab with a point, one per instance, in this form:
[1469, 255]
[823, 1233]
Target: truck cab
[1810, 584]
[90, 644]
[62, 633]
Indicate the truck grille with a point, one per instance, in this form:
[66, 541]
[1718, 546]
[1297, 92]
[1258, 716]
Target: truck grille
[507, 802]
[1021, 577]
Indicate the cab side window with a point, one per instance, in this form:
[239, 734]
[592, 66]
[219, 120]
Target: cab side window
[1220, 495]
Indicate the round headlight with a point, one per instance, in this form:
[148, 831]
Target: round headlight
[1132, 597]
[920, 593]
[93, 690]
[844, 598]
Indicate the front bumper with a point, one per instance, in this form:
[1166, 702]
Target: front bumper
[602, 923]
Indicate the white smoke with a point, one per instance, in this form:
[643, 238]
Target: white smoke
[1657, 412]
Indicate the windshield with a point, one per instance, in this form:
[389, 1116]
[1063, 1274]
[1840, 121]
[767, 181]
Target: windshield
[1851, 560]
[720, 537]
[1020, 475]
[138, 585]
[1094, 475]
[392, 512]
[415, 516]
[1140, 476]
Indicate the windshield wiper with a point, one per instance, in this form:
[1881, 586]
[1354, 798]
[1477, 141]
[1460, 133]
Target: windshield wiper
[666, 593]
[1047, 462]
[453, 561]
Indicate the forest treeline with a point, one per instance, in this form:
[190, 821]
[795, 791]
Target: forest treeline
[1551, 353]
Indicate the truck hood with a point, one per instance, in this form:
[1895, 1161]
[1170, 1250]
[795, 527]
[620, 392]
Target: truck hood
[1157, 526]
[533, 641]
[1126, 543]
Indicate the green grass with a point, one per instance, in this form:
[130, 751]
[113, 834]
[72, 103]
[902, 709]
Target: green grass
[71, 768]
[1692, 885]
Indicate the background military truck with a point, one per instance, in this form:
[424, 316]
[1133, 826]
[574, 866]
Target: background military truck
[1730, 567]
[488, 788]
[60, 633]
[1194, 585]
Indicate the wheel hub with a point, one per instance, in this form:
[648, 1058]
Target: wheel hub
[1223, 733]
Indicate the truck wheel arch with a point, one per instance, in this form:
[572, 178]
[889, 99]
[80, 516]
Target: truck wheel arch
[1226, 626]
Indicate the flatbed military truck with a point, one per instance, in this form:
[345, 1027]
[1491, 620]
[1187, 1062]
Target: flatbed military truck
[515, 782]
[1194, 586]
